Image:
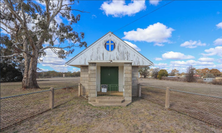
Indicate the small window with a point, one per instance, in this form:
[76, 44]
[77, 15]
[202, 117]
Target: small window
[109, 45]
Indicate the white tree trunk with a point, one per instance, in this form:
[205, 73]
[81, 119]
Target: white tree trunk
[29, 78]
[32, 74]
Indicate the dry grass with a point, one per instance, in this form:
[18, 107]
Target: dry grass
[209, 89]
[16, 109]
[140, 116]
[204, 108]
[14, 88]
[207, 109]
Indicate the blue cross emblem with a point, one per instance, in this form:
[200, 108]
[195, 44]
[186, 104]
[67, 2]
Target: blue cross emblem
[109, 45]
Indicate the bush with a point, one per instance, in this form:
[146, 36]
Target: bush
[217, 82]
[200, 81]
[174, 79]
[162, 73]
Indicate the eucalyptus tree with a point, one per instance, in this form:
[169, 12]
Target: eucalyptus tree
[144, 71]
[33, 26]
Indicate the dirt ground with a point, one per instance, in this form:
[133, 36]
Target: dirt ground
[79, 116]
[202, 88]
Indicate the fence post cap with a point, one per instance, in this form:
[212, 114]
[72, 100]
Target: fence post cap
[51, 88]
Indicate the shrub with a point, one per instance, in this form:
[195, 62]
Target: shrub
[162, 73]
[217, 82]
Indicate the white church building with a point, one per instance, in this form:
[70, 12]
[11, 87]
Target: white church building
[109, 70]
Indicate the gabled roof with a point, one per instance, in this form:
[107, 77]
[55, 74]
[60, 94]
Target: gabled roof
[97, 52]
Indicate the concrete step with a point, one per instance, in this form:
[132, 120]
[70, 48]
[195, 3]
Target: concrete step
[125, 103]
[113, 100]
[109, 99]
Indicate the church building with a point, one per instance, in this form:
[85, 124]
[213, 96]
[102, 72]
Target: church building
[109, 71]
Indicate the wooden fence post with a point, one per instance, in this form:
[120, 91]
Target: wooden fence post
[51, 98]
[167, 100]
[79, 89]
[139, 90]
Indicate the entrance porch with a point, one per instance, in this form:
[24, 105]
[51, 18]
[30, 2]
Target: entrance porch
[109, 82]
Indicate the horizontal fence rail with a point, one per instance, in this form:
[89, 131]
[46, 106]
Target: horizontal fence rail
[206, 108]
[185, 92]
[17, 108]
[23, 94]
[196, 93]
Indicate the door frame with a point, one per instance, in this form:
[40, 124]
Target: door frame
[101, 75]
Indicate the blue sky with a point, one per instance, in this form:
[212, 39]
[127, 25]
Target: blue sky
[180, 34]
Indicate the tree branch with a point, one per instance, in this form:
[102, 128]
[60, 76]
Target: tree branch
[13, 11]
[5, 30]
[47, 9]
[77, 10]
[23, 14]
[26, 29]
[56, 12]
[41, 50]
[9, 56]
[6, 25]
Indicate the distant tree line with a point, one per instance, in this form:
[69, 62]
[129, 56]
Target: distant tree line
[50, 74]
[190, 75]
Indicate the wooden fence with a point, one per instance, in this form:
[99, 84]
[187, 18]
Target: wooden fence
[17, 108]
[206, 108]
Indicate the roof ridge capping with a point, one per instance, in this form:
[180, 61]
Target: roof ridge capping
[67, 63]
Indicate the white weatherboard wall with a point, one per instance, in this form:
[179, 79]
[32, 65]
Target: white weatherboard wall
[97, 52]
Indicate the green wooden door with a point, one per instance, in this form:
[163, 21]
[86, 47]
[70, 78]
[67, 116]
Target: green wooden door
[109, 76]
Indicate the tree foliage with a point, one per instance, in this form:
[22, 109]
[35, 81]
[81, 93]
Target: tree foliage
[215, 72]
[144, 71]
[209, 75]
[32, 27]
[162, 73]
[205, 71]
[174, 72]
[155, 72]
[9, 73]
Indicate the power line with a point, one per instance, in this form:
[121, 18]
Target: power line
[145, 15]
